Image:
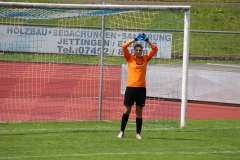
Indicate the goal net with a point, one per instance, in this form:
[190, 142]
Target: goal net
[62, 62]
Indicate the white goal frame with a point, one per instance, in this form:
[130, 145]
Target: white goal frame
[186, 31]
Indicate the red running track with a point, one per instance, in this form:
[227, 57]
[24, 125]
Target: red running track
[58, 92]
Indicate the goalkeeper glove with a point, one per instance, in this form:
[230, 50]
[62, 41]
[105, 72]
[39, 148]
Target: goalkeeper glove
[144, 37]
[141, 37]
[138, 37]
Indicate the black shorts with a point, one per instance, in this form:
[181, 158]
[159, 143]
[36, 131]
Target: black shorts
[135, 94]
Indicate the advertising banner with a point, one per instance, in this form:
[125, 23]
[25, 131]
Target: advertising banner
[37, 39]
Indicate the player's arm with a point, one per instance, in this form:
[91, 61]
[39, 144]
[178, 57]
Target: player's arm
[153, 51]
[150, 43]
[125, 50]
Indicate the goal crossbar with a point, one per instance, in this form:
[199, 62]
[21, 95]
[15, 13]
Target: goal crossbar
[90, 6]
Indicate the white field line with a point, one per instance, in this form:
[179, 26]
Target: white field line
[2, 130]
[123, 153]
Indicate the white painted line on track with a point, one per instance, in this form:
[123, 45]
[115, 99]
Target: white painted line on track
[223, 65]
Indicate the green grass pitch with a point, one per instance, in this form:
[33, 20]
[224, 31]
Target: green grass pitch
[201, 139]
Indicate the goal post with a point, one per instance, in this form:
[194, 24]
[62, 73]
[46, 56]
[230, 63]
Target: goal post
[185, 68]
[63, 62]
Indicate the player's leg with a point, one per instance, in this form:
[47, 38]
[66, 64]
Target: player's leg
[128, 102]
[140, 103]
[125, 116]
[139, 120]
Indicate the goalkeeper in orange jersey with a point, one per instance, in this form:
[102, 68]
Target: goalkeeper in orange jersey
[136, 82]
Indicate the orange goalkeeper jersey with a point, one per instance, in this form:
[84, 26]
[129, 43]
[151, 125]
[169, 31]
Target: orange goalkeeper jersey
[137, 67]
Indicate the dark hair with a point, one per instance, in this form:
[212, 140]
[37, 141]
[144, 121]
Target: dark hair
[138, 45]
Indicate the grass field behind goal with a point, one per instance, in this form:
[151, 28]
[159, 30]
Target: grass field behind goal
[201, 139]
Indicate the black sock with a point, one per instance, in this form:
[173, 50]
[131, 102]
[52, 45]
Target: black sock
[124, 122]
[139, 125]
